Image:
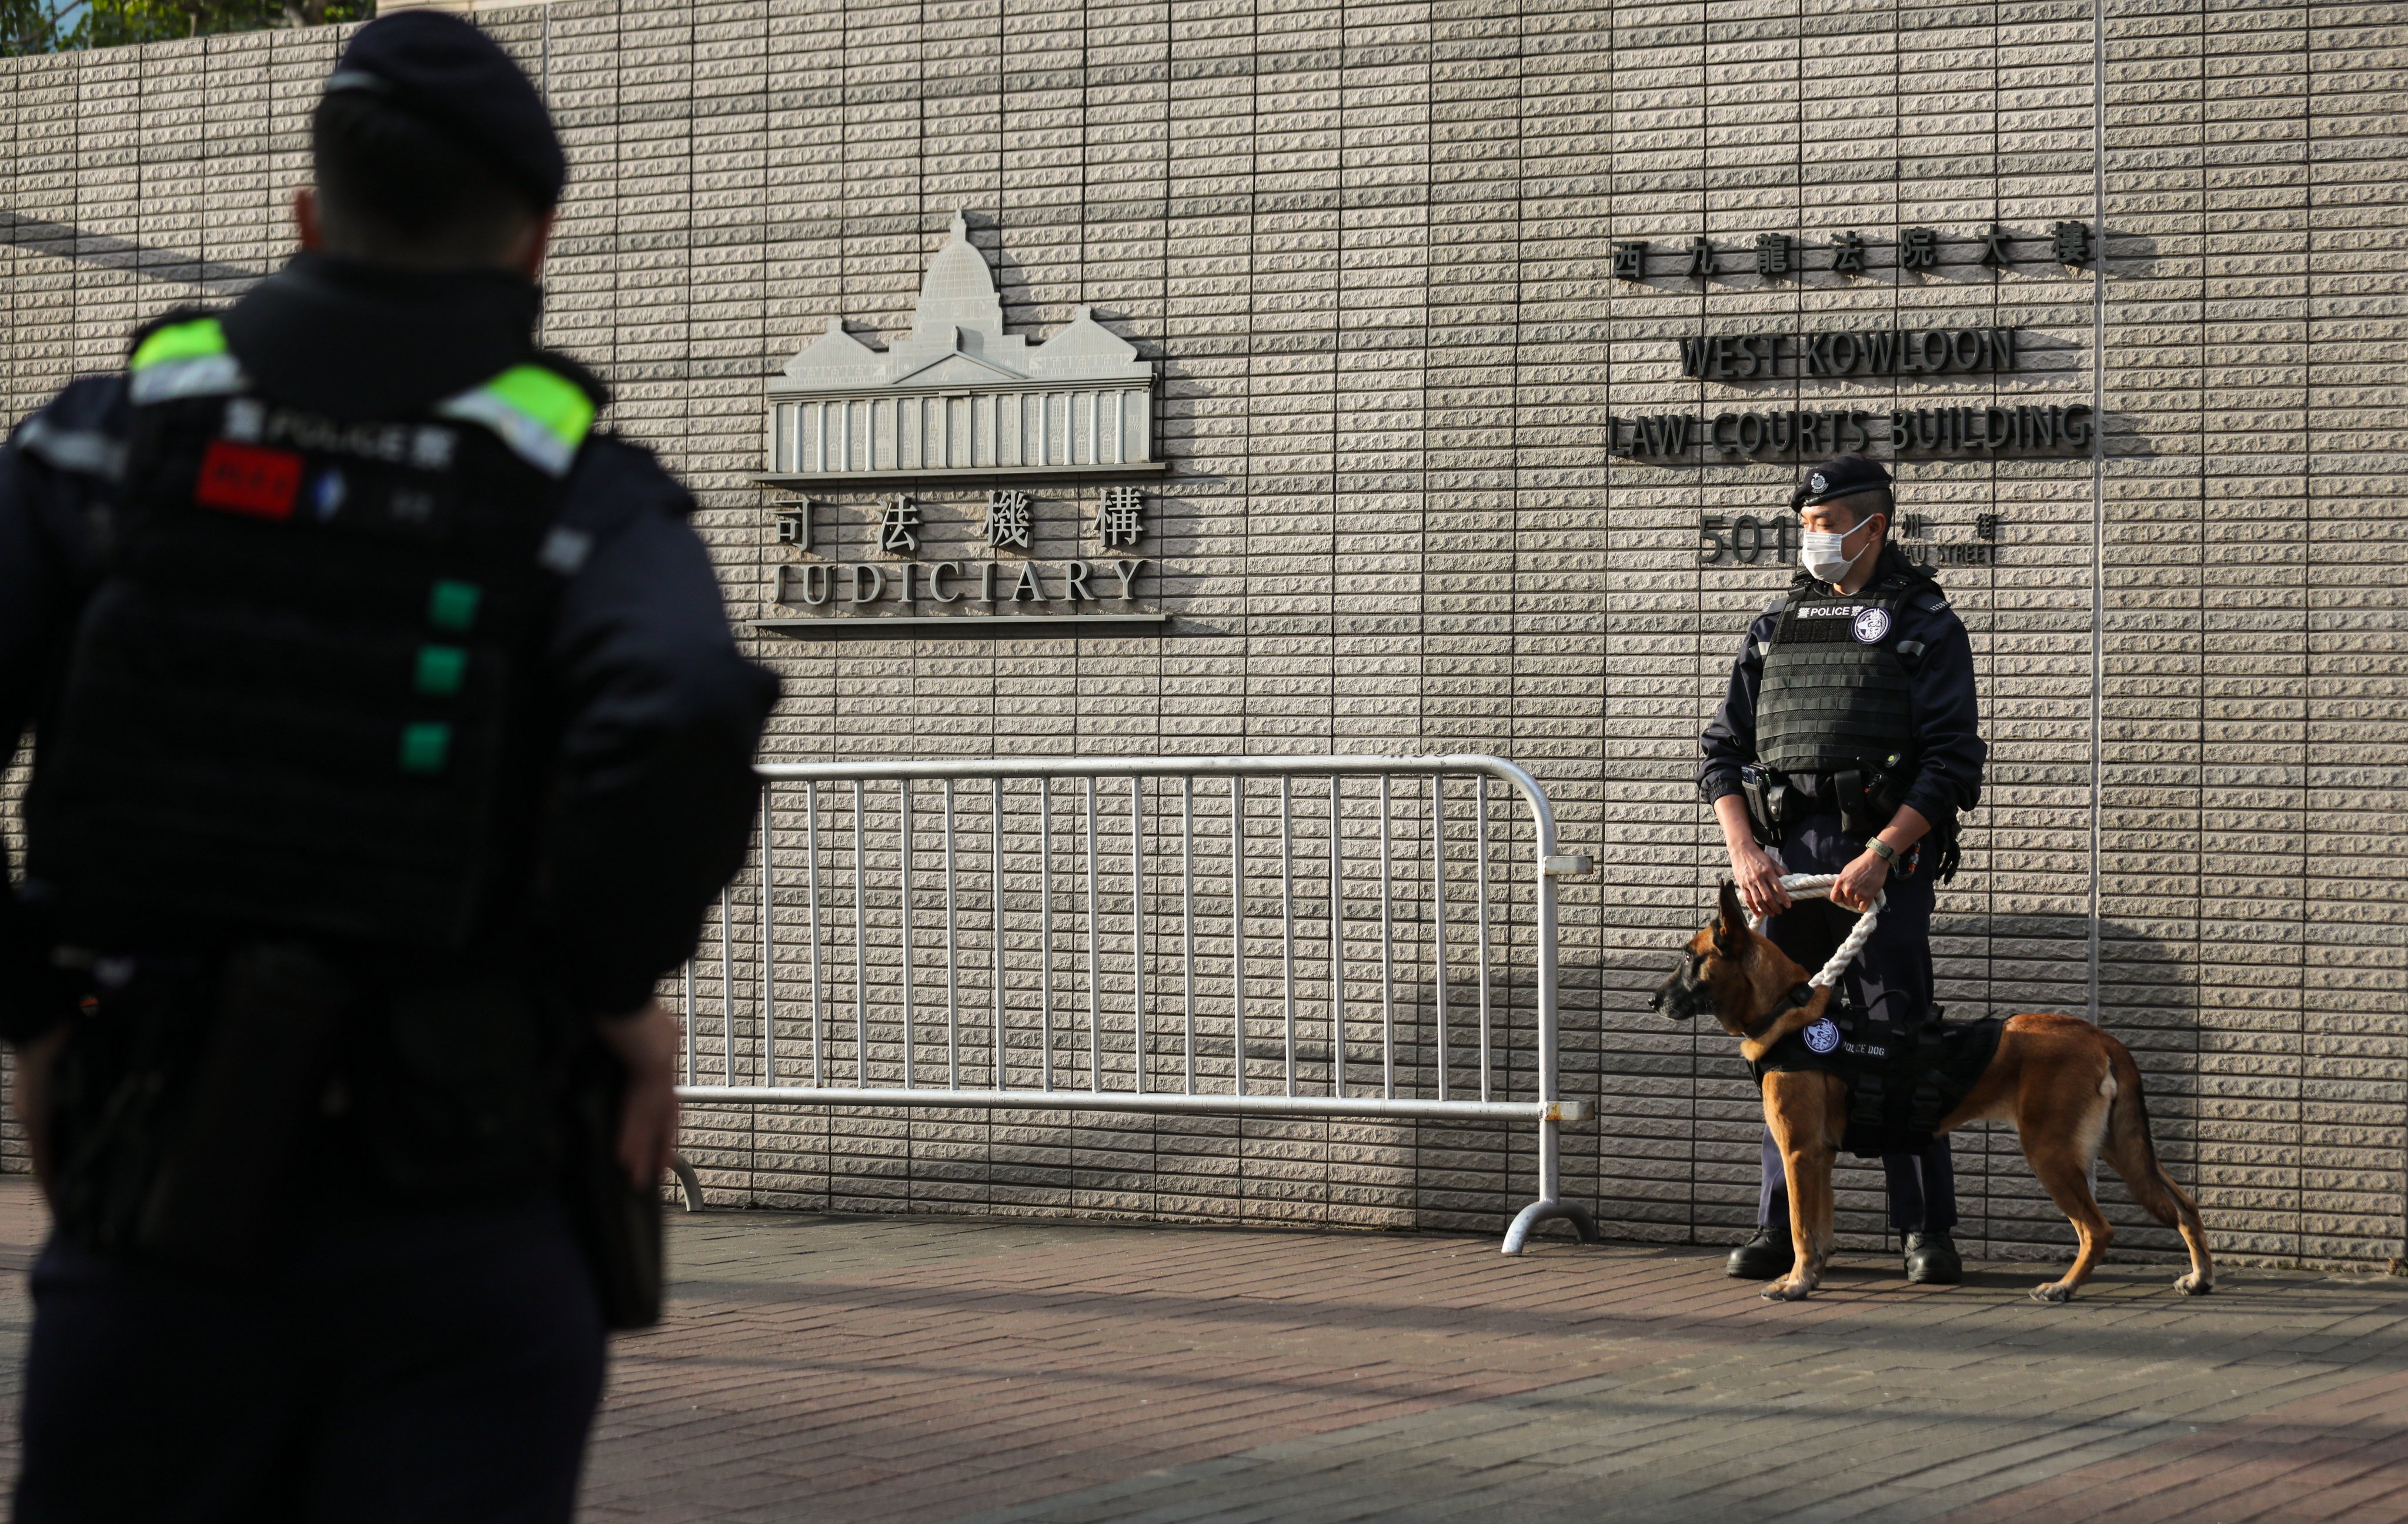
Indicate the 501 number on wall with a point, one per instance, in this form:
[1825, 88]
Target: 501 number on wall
[1746, 540]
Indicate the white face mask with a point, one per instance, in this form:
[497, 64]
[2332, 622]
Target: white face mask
[1825, 555]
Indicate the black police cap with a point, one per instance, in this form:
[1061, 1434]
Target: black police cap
[446, 71]
[1843, 477]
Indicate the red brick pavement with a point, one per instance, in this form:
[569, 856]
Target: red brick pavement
[2340, 1455]
[916, 1393]
[913, 1382]
[818, 1368]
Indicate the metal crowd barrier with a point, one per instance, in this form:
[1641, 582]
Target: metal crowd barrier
[1258, 936]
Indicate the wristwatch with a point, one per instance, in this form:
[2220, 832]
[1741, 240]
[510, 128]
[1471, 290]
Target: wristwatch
[1885, 852]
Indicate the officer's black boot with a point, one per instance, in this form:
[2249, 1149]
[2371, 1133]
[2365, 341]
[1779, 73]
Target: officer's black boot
[1766, 1257]
[1931, 1260]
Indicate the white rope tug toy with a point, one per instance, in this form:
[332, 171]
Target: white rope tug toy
[1817, 886]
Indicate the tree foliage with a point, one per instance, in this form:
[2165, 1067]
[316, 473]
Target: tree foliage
[42, 26]
[53, 26]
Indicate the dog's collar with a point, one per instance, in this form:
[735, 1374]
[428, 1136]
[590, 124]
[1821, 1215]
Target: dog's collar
[1799, 995]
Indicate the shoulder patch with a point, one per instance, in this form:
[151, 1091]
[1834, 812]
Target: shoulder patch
[1937, 605]
[542, 416]
[173, 318]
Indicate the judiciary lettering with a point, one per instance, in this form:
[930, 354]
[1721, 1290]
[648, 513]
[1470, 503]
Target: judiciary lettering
[853, 585]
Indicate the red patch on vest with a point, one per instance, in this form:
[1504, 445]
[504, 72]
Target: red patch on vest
[244, 478]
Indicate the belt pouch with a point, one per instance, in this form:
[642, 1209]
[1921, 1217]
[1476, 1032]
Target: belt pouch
[1763, 797]
[1849, 785]
[232, 1158]
[617, 1223]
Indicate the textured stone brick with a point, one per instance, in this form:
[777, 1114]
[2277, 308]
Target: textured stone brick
[1371, 248]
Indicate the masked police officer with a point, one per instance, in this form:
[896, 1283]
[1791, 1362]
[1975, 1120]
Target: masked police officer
[1849, 741]
[389, 741]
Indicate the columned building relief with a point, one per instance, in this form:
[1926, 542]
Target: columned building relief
[960, 396]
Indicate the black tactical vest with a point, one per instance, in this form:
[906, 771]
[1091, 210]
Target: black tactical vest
[1835, 693]
[293, 695]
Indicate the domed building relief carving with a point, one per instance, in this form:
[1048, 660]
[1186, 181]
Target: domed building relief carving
[961, 397]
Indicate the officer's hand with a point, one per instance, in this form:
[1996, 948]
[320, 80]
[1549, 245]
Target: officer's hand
[647, 1044]
[1860, 883]
[1758, 878]
[34, 1061]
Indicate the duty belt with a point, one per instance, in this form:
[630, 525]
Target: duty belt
[1864, 798]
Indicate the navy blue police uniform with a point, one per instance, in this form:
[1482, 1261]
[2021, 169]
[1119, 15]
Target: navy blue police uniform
[389, 732]
[1878, 710]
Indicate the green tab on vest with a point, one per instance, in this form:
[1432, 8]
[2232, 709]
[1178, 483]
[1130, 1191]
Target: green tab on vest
[441, 669]
[542, 416]
[194, 340]
[424, 748]
[453, 606]
[184, 360]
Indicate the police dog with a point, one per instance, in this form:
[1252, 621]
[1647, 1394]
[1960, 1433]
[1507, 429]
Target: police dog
[2073, 1091]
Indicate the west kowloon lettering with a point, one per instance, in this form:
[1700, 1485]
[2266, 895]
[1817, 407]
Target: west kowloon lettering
[1812, 434]
[1875, 351]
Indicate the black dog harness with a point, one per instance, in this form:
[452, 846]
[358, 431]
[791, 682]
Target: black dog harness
[1902, 1081]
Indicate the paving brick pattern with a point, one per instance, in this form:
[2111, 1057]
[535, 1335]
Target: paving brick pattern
[843, 1369]
[831, 1370]
[1369, 245]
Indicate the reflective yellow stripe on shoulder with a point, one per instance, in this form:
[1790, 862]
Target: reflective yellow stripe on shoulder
[184, 360]
[179, 341]
[541, 414]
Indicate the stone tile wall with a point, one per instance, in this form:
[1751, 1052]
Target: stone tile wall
[1370, 245]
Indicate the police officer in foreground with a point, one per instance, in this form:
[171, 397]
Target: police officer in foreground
[389, 741]
[1849, 742]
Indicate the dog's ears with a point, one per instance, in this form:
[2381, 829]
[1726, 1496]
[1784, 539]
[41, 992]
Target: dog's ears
[1730, 932]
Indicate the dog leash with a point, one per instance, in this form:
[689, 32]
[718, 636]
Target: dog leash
[1817, 886]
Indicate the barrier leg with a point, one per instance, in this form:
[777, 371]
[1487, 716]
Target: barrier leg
[1550, 1211]
[1550, 1206]
[688, 1182]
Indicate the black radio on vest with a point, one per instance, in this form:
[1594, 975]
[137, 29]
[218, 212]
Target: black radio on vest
[292, 696]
